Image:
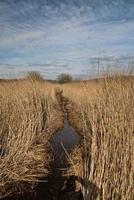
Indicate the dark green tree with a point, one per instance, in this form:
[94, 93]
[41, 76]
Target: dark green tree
[64, 78]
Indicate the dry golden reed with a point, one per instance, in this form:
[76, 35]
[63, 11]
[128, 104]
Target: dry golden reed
[28, 117]
[106, 112]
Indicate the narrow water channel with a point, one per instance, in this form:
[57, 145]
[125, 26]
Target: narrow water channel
[52, 188]
[68, 138]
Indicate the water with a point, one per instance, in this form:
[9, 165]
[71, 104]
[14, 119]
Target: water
[67, 136]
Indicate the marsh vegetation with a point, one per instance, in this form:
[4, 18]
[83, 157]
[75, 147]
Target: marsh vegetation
[101, 111]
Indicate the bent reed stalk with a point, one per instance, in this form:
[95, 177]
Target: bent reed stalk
[28, 117]
[106, 115]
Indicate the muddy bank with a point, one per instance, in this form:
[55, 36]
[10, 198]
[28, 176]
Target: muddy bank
[73, 116]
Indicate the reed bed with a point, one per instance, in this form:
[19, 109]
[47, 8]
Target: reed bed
[104, 162]
[29, 115]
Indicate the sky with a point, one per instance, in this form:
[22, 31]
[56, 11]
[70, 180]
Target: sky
[65, 36]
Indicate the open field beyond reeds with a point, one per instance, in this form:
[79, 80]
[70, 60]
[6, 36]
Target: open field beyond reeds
[102, 113]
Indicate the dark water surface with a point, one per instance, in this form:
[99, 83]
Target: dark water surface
[67, 136]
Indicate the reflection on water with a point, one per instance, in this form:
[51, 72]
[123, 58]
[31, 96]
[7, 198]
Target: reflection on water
[68, 136]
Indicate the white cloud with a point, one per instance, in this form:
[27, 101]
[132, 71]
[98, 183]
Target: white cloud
[65, 34]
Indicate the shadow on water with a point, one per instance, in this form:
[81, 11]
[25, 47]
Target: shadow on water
[58, 186]
[69, 138]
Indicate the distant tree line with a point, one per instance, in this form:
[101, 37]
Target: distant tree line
[62, 78]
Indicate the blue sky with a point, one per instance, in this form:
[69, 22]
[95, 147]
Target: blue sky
[59, 36]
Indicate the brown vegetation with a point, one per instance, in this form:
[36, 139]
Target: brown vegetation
[29, 115]
[102, 111]
[105, 117]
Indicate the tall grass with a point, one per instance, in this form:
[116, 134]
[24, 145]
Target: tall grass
[28, 117]
[103, 113]
[106, 115]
